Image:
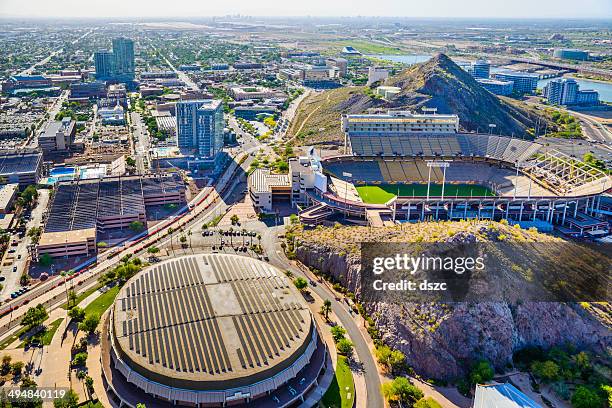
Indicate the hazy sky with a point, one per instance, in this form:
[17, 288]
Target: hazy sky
[398, 8]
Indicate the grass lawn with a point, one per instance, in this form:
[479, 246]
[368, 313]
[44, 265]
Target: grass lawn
[83, 295]
[9, 340]
[380, 194]
[102, 302]
[337, 395]
[46, 336]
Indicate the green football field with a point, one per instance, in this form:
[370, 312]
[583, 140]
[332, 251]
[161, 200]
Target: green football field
[380, 194]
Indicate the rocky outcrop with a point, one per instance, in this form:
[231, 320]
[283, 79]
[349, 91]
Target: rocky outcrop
[439, 340]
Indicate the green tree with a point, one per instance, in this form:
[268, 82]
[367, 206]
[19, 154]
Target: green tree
[397, 359]
[326, 308]
[17, 368]
[69, 400]
[300, 283]
[35, 316]
[401, 390]
[45, 260]
[136, 226]
[481, 372]
[79, 359]
[337, 333]
[427, 403]
[585, 397]
[29, 195]
[235, 219]
[77, 314]
[547, 371]
[90, 324]
[5, 368]
[72, 297]
[345, 347]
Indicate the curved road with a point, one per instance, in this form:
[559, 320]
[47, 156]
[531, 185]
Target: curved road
[370, 369]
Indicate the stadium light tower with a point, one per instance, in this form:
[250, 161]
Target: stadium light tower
[491, 127]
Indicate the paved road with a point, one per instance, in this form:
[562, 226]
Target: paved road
[370, 369]
[141, 143]
[19, 257]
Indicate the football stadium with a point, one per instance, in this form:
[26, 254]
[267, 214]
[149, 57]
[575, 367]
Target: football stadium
[209, 331]
[388, 178]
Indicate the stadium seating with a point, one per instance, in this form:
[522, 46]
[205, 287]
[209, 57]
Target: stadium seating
[507, 149]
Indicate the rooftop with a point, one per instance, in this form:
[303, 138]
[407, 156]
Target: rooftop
[262, 181]
[501, 396]
[211, 321]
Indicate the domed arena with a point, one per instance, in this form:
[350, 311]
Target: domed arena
[211, 330]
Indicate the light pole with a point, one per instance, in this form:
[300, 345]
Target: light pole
[491, 127]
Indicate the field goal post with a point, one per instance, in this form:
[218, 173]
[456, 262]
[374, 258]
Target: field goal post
[444, 164]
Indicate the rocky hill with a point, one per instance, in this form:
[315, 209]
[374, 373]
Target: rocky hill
[438, 83]
[441, 339]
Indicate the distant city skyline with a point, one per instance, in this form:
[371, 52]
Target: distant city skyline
[323, 8]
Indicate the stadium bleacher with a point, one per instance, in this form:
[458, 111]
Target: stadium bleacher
[496, 147]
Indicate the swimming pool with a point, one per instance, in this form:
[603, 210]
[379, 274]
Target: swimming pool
[62, 172]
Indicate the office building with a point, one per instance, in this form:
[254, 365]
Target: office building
[123, 50]
[587, 97]
[340, 63]
[523, 82]
[571, 54]
[240, 93]
[376, 74]
[89, 90]
[116, 65]
[104, 63]
[199, 127]
[266, 188]
[496, 86]
[481, 69]
[58, 136]
[566, 91]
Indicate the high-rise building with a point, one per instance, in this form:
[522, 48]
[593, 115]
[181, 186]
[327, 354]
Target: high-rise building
[561, 91]
[118, 64]
[199, 126]
[104, 62]
[481, 69]
[123, 50]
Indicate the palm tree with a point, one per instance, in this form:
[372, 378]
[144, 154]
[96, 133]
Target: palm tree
[189, 233]
[170, 231]
[231, 232]
[326, 308]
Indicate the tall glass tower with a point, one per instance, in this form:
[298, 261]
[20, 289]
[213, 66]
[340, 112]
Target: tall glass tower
[123, 50]
[104, 62]
[199, 127]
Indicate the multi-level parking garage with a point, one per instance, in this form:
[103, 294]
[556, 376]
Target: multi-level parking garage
[211, 330]
[81, 208]
[528, 184]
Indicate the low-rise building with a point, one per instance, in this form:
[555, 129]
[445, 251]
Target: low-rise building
[240, 93]
[340, 63]
[58, 136]
[376, 74]
[388, 92]
[523, 82]
[571, 54]
[266, 188]
[8, 193]
[112, 115]
[90, 90]
[23, 167]
[18, 82]
[496, 87]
